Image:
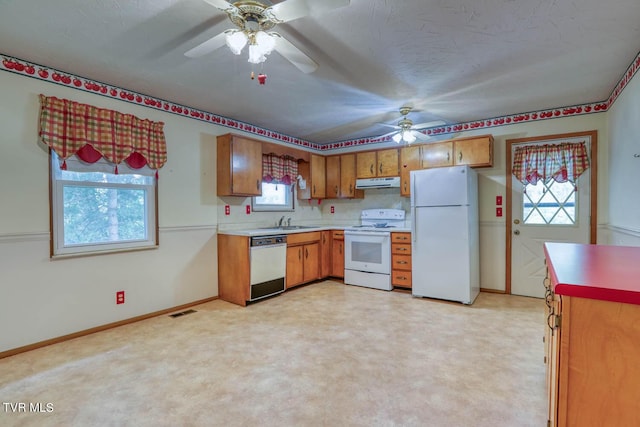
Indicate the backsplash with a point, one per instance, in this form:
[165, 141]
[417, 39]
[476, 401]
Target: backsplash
[309, 212]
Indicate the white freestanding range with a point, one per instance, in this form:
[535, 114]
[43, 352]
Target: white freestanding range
[367, 250]
[444, 226]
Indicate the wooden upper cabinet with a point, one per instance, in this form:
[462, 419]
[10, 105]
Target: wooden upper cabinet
[476, 152]
[409, 161]
[333, 177]
[348, 177]
[239, 166]
[366, 164]
[437, 154]
[387, 162]
[381, 163]
[318, 177]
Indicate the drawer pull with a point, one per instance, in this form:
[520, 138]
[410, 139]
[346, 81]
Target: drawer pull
[402, 262]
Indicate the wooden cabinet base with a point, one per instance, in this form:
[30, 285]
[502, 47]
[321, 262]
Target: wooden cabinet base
[598, 371]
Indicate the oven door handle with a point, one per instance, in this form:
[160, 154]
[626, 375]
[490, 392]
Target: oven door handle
[382, 234]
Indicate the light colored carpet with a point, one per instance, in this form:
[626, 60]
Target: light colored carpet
[325, 354]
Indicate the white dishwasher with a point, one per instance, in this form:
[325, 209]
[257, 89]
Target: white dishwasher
[268, 266]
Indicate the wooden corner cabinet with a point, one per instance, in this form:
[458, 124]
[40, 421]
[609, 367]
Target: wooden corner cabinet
[401, 260]
[239, 166]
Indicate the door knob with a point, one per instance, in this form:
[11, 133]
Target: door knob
[517, 232]
[516, 221]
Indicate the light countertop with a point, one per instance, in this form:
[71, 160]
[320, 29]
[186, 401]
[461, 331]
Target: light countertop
[270, 231]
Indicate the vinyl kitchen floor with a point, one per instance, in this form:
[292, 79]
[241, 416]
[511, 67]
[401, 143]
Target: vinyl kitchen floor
[326, 354]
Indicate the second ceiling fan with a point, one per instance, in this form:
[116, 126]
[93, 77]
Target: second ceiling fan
[406, 131]
[254, 21]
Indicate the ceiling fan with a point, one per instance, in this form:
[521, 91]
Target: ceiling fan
[254, 20]
[406, 131]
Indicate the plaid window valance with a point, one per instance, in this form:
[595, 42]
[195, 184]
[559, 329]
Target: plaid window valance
[279, 169]
[561, 162]
[71, 128]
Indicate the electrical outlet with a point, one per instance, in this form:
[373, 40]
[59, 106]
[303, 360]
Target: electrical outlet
[227, 209]
[498, 212]
[247, 209]
[499, 200]
[120, 297]
[333, 209]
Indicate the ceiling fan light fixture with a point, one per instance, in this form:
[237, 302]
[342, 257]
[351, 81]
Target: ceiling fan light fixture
[265, 41]
[236, 41]
[408, 137]
[397, 137]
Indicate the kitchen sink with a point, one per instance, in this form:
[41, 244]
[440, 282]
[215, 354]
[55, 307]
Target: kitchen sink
[290, 227]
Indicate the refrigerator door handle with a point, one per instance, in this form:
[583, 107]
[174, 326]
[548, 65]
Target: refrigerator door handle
[414, 224]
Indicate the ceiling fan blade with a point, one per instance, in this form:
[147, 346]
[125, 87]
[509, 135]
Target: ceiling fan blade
[420, 136]
[389, 126]
[293, 54]
[222, 5]
[208, 46]
[293, 9]
[387, 134]
[428, 124]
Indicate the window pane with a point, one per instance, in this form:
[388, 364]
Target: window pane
[103, 214]
[102, 177]
[275, 197]
[549, 203]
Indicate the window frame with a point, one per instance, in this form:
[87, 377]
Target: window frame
[56, 218]
[263, 207]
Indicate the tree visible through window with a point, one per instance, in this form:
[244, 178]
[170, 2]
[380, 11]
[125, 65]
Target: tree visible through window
[98, 210]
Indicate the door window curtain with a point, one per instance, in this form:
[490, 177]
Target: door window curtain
[559, 162]
[70, 128]
[279, 169]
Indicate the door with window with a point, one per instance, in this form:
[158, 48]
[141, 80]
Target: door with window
[550, 201]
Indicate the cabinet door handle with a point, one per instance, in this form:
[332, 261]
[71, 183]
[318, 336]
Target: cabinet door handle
[380, 168]
[257, 184]
[300, 254]
[371, 169]
[306, 253]
[448, 156]
[314, 189]
[323, 239]
[340, 249]
[403, 262]
[350, 189]
[460, 156]
[336, 189]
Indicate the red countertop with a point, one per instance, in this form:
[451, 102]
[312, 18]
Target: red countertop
[609, 273]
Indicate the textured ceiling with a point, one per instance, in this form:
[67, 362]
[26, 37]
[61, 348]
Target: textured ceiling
[455, 60]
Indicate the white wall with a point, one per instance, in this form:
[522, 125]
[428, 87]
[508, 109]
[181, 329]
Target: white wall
[42, 298]
[624, 175]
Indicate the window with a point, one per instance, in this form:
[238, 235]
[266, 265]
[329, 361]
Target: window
[95, 210]
[275, 198]
[550, 203]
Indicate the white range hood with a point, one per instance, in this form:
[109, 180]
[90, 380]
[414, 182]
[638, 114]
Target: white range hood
[390, 182]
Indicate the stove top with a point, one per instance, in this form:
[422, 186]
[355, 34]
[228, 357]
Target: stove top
[380, 220]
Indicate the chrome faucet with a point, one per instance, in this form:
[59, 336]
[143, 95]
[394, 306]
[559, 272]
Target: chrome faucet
[289, 222]
[280, 222]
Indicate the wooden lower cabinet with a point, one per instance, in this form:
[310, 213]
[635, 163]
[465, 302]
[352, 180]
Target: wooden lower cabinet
[337, 254]
[234, 268]
[401, 260]
[592, 351]
[303, 258]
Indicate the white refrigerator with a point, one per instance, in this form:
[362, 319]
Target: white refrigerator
[444, 225]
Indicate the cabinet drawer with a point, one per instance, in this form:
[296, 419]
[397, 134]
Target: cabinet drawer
[337, 234]
[401, 278]
[297, 238]
[401, 262]
[401, 238]
[400, 249]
